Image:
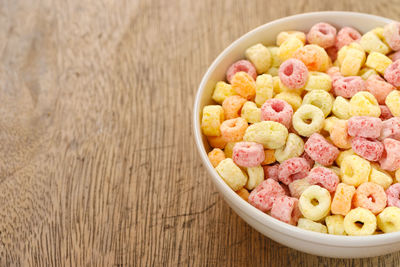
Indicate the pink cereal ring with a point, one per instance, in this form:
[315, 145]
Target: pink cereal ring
[370, 196]
[321, 150]
[364, 126]
[395, 56]
[391, 129]
[293, 169]
[393, 195]
[248, 154]
[346, 36]
[385, 113]
[378, 87]
[369, 149]
[334, 73]
[392, 73]
[322, 34]
[323, 177]
[286, 209]
[241, 65]
[271, 171]
[293, 73]
[390, 160]
[277, 110]
[264, 195]
[348, 86]
[391, 32]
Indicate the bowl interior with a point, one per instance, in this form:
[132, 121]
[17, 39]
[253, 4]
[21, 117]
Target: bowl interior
[266, 34]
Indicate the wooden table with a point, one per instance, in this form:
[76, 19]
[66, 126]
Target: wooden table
[98, 165]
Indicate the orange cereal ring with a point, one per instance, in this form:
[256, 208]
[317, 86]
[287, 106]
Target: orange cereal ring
[233, 130]
[216, 141]
[243, 193]
[216, 156]
[370, 196]
[314, 57]
[269, 156]
[244, 85]
[232, 106]
[341, 202]
[339, 135]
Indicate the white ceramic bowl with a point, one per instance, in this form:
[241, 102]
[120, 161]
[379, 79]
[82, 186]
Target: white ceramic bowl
[288, 235]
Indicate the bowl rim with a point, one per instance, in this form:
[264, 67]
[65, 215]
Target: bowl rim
[245, 207]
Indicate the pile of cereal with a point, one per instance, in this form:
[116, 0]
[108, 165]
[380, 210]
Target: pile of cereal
[313, 143]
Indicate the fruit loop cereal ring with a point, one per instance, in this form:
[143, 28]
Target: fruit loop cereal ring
[216, 156]
[244, 85]
[293, 169]
[320, 150]
[360, 221]
[380, 176]
[365, 73]
[256, 176]
[346, 36]
[213, 116]
[321, 99]
[232, 106]
[335, 224]
[241, 65]
[390, 160]
[369, 149]
[286, 209]
[370, 196]
[283, 36]
[260, 56]
[228, 150]
[342, 155]
[322, 34]
[270, 134]
[371, 42]
[297, 187]
[339, 135]
[364, 104]
[277, 110]
[352, 62]
[323, 177]
[243, 193]
[341, 203]
[292, 98]
[348, 86]
[392, 73]
[392, 102]
[315, 203]
[334, 73]
[378, 87]
[264, 195]
[391, 32]
[341, 107]
[231, 174]
[222, 90]
[318, 81]
[389, 220]
[288, 47]
[250, 112]
[308, 119]
[354, 170]
[264, 89]
[233, 130]
[248, 154]
[309, 225]
[275, 60]
[271, 172]
[393, 195]
[378, 62]
[279, 87]
[293, 73]
[269, 157]
[363, 126]
[314, 57]
[390, 129]
[385, 113]
[216, 141]
[294, 147]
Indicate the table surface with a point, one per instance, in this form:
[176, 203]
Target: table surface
[98, 165]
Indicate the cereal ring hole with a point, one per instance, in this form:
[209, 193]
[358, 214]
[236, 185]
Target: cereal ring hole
[314, 202]
[371, 198]
[359, 224]
[277, 106]
[288, 70]
[323, 31]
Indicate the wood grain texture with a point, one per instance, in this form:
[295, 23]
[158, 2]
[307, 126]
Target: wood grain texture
[98, 165]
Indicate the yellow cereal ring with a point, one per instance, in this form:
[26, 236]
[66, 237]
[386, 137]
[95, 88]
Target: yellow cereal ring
[389, 220]
[307, 224]
[352, 62]
[360, 221]
[321, 99]
[341, 108]
[365, 73]
[275, 60]
[315, 202]
[260, 56]
[292, 98]
[301, 119]
[314, 57]
[264, 89]
[364, 104]
[392, 102]
[342, 53]
[222, 90]
[270, 134]
[288, 47]
[216, 156]
[283, 36]
[318, 81]
[233, 176]
[250, 112]
[372, 43]
[378, 62]
[380, 176]
[256, 176]
[355, 170]
[279, 87]
[228, 150]
[213, 116]
[342, 155]
[244, 85]
[294, 147]
[335, 224]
